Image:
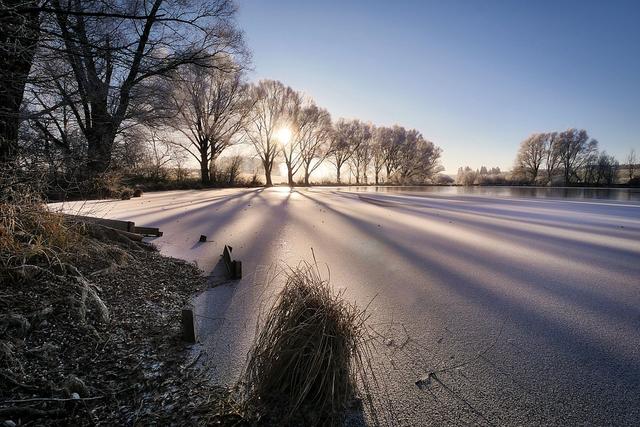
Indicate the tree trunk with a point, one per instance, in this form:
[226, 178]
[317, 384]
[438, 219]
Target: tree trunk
[19, 33]
[306, 176]
[535, 175]
[213, 173]
[267, 174]
[99, 148]
[377, 177]
[290, 177]
[338, 174]
[204, 169]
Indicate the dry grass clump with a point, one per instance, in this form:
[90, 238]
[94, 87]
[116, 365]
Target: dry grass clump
[306, 360]
[30, 232]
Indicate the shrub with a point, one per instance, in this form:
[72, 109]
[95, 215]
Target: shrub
[137, 192]
[126, 193]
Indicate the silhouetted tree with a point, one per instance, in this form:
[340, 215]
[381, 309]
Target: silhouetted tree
[19, 36]
[210, 107]
[315, 143]
[270, 100]
[116, 50]
[297, 123]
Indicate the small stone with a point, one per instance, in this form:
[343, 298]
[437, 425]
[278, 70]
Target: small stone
[424, 382]
[75, 386]
[203, 238]
[75, 396]
[9, 423]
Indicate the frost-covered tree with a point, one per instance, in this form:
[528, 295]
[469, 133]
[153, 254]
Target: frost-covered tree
[553, 158]
[361, 146]
[531, 155]
[631, 163]
[392, 148]
[341, 145]
[382, 141]
[575, 149]
[418, 159]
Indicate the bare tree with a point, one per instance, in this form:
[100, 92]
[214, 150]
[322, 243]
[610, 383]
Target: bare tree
[292, 132]
[377, 153]
[341, 147]
[553, 156]
[607, 170]
[418, 159]
[116, 49]
[315, 144]
[631, 163]
[19, 36]
[392, 148]
[270, 101]
[361, 146]
[210, 108]
[576, 148]
[531, 155]
[160, 155]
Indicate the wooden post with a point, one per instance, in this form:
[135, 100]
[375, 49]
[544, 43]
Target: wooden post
[234, 268]
[237, 269]
[188, 325]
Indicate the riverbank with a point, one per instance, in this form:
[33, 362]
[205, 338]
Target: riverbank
[90, 329]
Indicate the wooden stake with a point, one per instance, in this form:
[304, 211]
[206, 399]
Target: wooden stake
[188, 325]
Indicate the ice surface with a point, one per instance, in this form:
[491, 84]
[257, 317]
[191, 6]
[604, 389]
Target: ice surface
[534, 304]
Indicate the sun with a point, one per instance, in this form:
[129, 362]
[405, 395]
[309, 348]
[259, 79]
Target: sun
[283, 135]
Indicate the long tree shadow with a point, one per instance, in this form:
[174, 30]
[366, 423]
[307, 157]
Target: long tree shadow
[144, 212]
[514, 269]
[236, 303]
[565, 338]
[511, 212]
[512, 230]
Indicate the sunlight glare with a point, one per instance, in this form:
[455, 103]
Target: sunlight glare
[283, 135]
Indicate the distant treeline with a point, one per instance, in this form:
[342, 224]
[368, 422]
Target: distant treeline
[567, 158]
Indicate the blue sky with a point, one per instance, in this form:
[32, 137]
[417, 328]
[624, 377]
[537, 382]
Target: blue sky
[476, 77]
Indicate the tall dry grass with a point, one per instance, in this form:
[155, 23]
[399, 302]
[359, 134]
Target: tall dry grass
[310, 353]
[30, 233]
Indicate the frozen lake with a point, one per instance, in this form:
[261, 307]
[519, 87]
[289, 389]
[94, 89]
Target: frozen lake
[586, 193]
[528, 307]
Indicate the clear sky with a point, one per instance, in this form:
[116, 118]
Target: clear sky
[476, 77]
